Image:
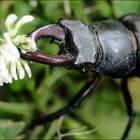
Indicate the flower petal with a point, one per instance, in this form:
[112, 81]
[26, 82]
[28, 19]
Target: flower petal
[13, 71]
[11, 46]
[10, 20]
[21, 73]
[9, 78]
[8, 55]
[20, 70]
[27, 68]
[24, 20]
[3, 71]
[1, 82]
[32, 43]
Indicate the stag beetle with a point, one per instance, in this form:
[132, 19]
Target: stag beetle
[110, 47]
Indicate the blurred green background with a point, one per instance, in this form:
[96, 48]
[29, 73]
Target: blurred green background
[102, 116]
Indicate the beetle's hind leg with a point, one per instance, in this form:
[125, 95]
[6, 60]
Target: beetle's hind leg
[75, 102]
[129, 107]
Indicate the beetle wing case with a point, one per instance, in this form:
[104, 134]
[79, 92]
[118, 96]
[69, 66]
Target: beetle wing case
[132, 22]
[119, 48]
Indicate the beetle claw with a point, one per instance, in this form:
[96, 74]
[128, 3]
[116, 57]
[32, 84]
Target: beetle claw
[56, 32]
[53, 30]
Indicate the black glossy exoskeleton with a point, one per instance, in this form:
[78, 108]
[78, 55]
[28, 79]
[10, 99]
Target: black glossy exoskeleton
[110, 47]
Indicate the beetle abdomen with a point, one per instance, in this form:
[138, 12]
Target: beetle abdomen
[119, 48]
[132, 22]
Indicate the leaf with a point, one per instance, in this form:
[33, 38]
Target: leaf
[10, 129]
[51, 7]
[55, 127]
[21, 8]
[125, 7]
[15, 108]
[77, 8]
[2, 137]
[103, 8]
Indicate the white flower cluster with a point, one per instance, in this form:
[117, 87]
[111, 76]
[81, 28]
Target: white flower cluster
[11, 65]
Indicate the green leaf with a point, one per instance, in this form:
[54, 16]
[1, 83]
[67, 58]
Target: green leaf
[2, 137]
[54, 6]
[10, 129]
[103, 8]
[55, 127]
[21, 8]
[77, 8]
[125, 7]
[15, 108]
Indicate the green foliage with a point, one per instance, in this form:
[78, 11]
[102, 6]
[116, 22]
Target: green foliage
[10, 129]
[50, 88]
[125, 7]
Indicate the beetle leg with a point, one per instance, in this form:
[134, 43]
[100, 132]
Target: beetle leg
[129, 107]
[75, 102]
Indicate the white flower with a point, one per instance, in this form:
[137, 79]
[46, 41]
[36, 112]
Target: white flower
[13, 27]
[11, 65]
[4, 74]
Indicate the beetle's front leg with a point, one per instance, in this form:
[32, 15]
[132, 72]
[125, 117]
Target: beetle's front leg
[75, 102]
